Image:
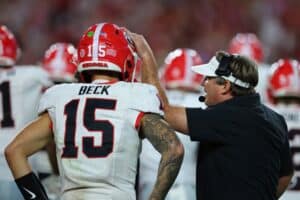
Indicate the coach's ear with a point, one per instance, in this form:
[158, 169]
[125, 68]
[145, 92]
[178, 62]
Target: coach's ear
[226, 87]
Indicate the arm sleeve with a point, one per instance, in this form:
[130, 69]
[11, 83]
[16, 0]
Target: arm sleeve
[41, 77]
[45, 80]
[144, 100]
[286, 158]
[206, 125]
[47, 101]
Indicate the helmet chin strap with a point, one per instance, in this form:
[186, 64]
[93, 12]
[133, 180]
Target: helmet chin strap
[135, 57]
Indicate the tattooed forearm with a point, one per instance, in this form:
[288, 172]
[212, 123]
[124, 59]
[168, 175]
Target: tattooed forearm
[166, 142]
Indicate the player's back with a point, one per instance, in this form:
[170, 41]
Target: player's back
[291, 114]
[95, 129]
[263, 77]
[20, 90]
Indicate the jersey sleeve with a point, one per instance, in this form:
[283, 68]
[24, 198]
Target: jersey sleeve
[38, 75]
[145, 99]
[44, 78]
[47, 101]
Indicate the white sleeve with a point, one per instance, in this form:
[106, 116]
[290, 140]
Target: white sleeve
[44, 79]
[38, 75]
[47, 101]
[146, 99]
[143, 99]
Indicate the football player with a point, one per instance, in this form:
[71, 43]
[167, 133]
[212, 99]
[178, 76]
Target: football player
[20, 90]
[248, 44]
[183, 88]
[284, 85]
[60, 62]
[98, 125]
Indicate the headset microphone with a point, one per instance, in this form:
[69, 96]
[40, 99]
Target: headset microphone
[201, 98]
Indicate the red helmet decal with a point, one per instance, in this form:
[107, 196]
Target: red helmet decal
[60, 61]
[284, 78]
[8, 47]
[247, 44]
[177, 72]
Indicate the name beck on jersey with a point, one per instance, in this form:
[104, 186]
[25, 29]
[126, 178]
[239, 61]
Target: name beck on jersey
[100, 89]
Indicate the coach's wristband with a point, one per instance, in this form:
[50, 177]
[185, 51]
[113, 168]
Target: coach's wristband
[31, 187]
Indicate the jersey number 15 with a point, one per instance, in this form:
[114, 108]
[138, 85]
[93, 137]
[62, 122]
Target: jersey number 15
[70, 150]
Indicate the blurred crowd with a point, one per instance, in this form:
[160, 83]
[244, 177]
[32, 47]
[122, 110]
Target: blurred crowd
[205, 25]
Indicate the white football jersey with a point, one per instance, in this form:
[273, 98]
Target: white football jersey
[263, 78]
[149, 158]
[96, 134]
[20, 90]
[291, 114]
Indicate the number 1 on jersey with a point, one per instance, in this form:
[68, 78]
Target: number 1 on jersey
[7, 120]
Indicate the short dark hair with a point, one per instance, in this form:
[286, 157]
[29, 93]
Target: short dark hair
[289, 99]
[243, 69]
[87, 75]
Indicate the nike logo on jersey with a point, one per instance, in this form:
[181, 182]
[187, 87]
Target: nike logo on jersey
[101, 89]
[32, 195]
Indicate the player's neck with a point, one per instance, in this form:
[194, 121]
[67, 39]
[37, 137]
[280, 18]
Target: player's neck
[104, 77]
[6, 67]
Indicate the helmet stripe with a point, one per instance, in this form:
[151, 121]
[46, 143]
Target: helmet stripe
[295, 75]
[95, 46]
[187, 63]
[60, 53]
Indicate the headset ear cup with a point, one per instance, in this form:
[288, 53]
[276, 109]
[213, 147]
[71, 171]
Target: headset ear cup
[224, 66]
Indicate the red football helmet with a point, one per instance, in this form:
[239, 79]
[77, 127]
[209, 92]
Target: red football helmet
[107, 47]
[177, 73]
[247, 44]
[60, 61]
[285, 78]
[8, 47]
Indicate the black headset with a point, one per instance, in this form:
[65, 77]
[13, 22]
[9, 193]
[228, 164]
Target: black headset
[224, 68]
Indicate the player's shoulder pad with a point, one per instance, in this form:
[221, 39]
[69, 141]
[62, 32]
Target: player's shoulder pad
[58, 89]
[145, 98]
[31, 68]
[51, 96]
[144, 87]
[35, 72]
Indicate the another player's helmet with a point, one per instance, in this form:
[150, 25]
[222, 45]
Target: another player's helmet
[247, 44]
[107, 47]
[60, 61]
[8, 47]
[284, 78]
[176, 71]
